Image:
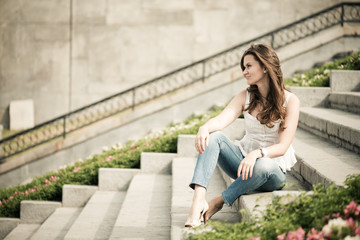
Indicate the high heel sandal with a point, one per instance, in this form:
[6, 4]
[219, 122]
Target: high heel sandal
[197, 222]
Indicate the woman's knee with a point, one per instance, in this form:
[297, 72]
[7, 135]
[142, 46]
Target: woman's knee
[216, 137]
[265, 166]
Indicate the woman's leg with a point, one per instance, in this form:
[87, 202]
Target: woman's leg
[220, 149]
[267, 176]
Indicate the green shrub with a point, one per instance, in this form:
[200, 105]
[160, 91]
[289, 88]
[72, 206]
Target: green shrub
[320, 77]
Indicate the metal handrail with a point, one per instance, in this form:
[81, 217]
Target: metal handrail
[174, 80]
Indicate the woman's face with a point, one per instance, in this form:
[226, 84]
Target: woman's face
[253, 71]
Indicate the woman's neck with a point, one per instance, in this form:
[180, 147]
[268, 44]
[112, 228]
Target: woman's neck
[263, 87]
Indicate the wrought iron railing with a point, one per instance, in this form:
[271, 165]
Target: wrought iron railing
[180, 78]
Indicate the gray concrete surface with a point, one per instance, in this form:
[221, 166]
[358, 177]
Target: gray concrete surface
[145, 212]
[341, 127]
[320, 161]
[23, 231]
[115, 179]
[21, 113]
[97, 218]
[344, 80]
[312, 96]
[37, 211]
[57, 225]
[7, 225]
[156, 163]
[346, 101]
[77, 195]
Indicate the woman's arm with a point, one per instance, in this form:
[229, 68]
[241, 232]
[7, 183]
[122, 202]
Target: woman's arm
[231, 112]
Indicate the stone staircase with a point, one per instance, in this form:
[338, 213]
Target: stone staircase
[153, 202]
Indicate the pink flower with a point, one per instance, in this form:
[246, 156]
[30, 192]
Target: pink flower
[26, 192]
[46, 181]
[133, 149]
[11, 197]
[109, 158]
[33, 190]
[76, 169]
[314, 234]
[350, 222]
[254, 238]
[54, 178]
[0, 203]
[357, 211]
[336, 215]
[15, 193]
[357, 231]
[350, 208]
[147, 144]
[281, 236]
[298, 234]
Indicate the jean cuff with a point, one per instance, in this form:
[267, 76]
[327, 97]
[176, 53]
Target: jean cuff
[193, 183]
[225, 200]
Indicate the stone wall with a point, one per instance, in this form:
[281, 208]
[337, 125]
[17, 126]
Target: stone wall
[64, 54]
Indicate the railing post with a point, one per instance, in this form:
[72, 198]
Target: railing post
[203, 72]
[133, 99]
[272, 40]
[64, 126]
[342, 14]
[1, 128]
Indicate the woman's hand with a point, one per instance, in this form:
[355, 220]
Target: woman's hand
[202, 139]
[246, 166]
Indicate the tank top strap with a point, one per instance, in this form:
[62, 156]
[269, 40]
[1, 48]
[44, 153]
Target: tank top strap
[287, 99]
[247, 101]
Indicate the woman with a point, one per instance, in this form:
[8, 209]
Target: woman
[260, 159]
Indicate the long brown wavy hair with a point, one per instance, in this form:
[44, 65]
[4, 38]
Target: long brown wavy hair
[272, 108]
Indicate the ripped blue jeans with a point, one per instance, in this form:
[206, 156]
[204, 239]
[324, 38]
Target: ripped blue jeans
[267, 175]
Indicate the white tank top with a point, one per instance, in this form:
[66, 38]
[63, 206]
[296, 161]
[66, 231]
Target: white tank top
[258, 136]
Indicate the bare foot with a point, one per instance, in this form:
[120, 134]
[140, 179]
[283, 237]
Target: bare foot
[215, 205]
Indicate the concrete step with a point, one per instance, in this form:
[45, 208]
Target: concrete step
[182, 194]
[346, 101]
[57, 225]
[342, 128]
[37, 211]
[77, 195]
[97, 217]
[156, 163]
[321, 161]
[145, 213]
[7, 225]
[23, 231]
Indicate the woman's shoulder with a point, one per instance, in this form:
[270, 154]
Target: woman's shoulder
[291, 98]
[241, 95]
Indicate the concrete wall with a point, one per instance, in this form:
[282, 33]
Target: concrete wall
[64, 54]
